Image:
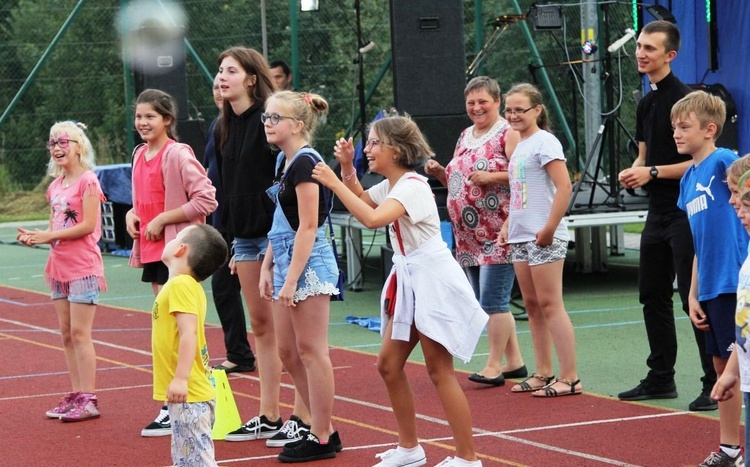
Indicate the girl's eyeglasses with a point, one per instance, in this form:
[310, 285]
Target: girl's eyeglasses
[62, 142]
[372, 142]
[517, 111]
[274, 118]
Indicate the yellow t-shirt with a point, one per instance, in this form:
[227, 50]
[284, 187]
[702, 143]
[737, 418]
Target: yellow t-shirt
[182, 294]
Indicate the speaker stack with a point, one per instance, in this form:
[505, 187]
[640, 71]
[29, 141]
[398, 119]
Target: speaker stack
[427, 45]
[728, 138]
[167, 73]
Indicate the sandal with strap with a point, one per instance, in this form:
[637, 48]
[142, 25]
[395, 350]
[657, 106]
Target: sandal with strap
[524, 385]
[549, 391]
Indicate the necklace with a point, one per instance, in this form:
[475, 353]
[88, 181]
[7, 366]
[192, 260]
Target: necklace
[69, 179]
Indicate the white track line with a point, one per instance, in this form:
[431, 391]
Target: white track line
[96, 341]
[506, 435]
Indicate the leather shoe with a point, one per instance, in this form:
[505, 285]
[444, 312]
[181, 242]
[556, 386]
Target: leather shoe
[520, 372]
[477, 378]
[645, 391]
[236, 368]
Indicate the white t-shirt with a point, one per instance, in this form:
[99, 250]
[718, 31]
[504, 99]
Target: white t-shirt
[741, 321]
[422, 221]
[531, 187]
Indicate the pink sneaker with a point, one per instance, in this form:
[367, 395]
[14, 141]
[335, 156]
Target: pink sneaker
[65, 405]
[86, 408]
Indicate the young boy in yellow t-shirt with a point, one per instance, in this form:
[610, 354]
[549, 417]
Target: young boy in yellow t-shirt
[178, 343]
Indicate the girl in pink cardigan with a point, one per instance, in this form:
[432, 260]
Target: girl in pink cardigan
[170, 192]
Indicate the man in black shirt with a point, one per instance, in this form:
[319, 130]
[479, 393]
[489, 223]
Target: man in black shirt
[666, 241]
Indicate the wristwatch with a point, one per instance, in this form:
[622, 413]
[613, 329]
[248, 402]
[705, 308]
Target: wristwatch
[654, 172]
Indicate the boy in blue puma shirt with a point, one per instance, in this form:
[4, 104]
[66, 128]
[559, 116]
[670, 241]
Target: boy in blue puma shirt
[720, 246]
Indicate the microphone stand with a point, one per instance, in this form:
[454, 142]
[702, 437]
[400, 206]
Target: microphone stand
[482, 54]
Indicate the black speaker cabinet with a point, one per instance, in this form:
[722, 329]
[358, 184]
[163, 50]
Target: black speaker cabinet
[728, 138]
[192, 133]
[429, 69]
[442, 132]
[171, 78]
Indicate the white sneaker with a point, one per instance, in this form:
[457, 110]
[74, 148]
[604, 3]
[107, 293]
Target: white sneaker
[452, 462]
[394, 458]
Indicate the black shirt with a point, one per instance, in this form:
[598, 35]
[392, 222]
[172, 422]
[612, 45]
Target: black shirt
[654, 127]
[300, 171]
[247, 169]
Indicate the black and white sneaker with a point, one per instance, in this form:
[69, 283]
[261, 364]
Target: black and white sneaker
[161, 426]
[293, 430]
[309, 449]
[257, 428]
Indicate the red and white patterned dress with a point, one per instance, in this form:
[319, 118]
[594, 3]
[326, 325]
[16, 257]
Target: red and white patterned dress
[478, 212]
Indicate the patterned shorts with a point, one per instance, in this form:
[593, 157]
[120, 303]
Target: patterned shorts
[192, 423]
[530, 252]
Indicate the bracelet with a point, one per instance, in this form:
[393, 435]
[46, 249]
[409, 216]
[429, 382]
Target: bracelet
[348, 177]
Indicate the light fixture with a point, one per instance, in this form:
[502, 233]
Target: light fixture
[661, 13]
[309, 5]
[547, 17]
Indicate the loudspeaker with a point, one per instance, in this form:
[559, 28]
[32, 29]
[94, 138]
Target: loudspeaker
[427, 44]
[191, 132]
[442, 132]
[728, 138]
[171, 79]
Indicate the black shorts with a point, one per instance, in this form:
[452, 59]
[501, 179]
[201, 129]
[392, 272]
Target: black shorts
[155, 272]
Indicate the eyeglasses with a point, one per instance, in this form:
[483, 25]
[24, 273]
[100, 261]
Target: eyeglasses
[62, 142]
[512, 112]
[274, 118]
[373, 142]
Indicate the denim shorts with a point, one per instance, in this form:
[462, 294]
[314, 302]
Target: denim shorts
[320, 275]
[86, 297]
[250, 249]
[530, 252]
[492, 284]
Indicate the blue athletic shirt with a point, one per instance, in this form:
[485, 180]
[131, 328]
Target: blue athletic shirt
[719, 238]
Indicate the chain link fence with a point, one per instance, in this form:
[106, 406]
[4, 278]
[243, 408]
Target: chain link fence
[72, 51]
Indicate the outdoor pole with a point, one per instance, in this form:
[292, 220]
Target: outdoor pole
[294, 41]
[263, 30]
[40, 63]
[551, 95]
[592, 89]
[127, 75]
[478, 31]
[361, 68]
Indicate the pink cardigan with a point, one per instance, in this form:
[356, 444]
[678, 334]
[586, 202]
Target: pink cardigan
[185, 185]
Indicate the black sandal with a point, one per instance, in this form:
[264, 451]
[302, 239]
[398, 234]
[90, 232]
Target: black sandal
[526, 387]
[549, 391]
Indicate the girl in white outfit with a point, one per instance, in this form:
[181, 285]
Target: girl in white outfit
[435, 305]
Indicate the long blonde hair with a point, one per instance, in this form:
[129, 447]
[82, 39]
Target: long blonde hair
[76, 132]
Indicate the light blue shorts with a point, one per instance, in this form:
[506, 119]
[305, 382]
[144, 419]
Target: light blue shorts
[320, 275]
[492, 284]
[250, 249]
[88, 296]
